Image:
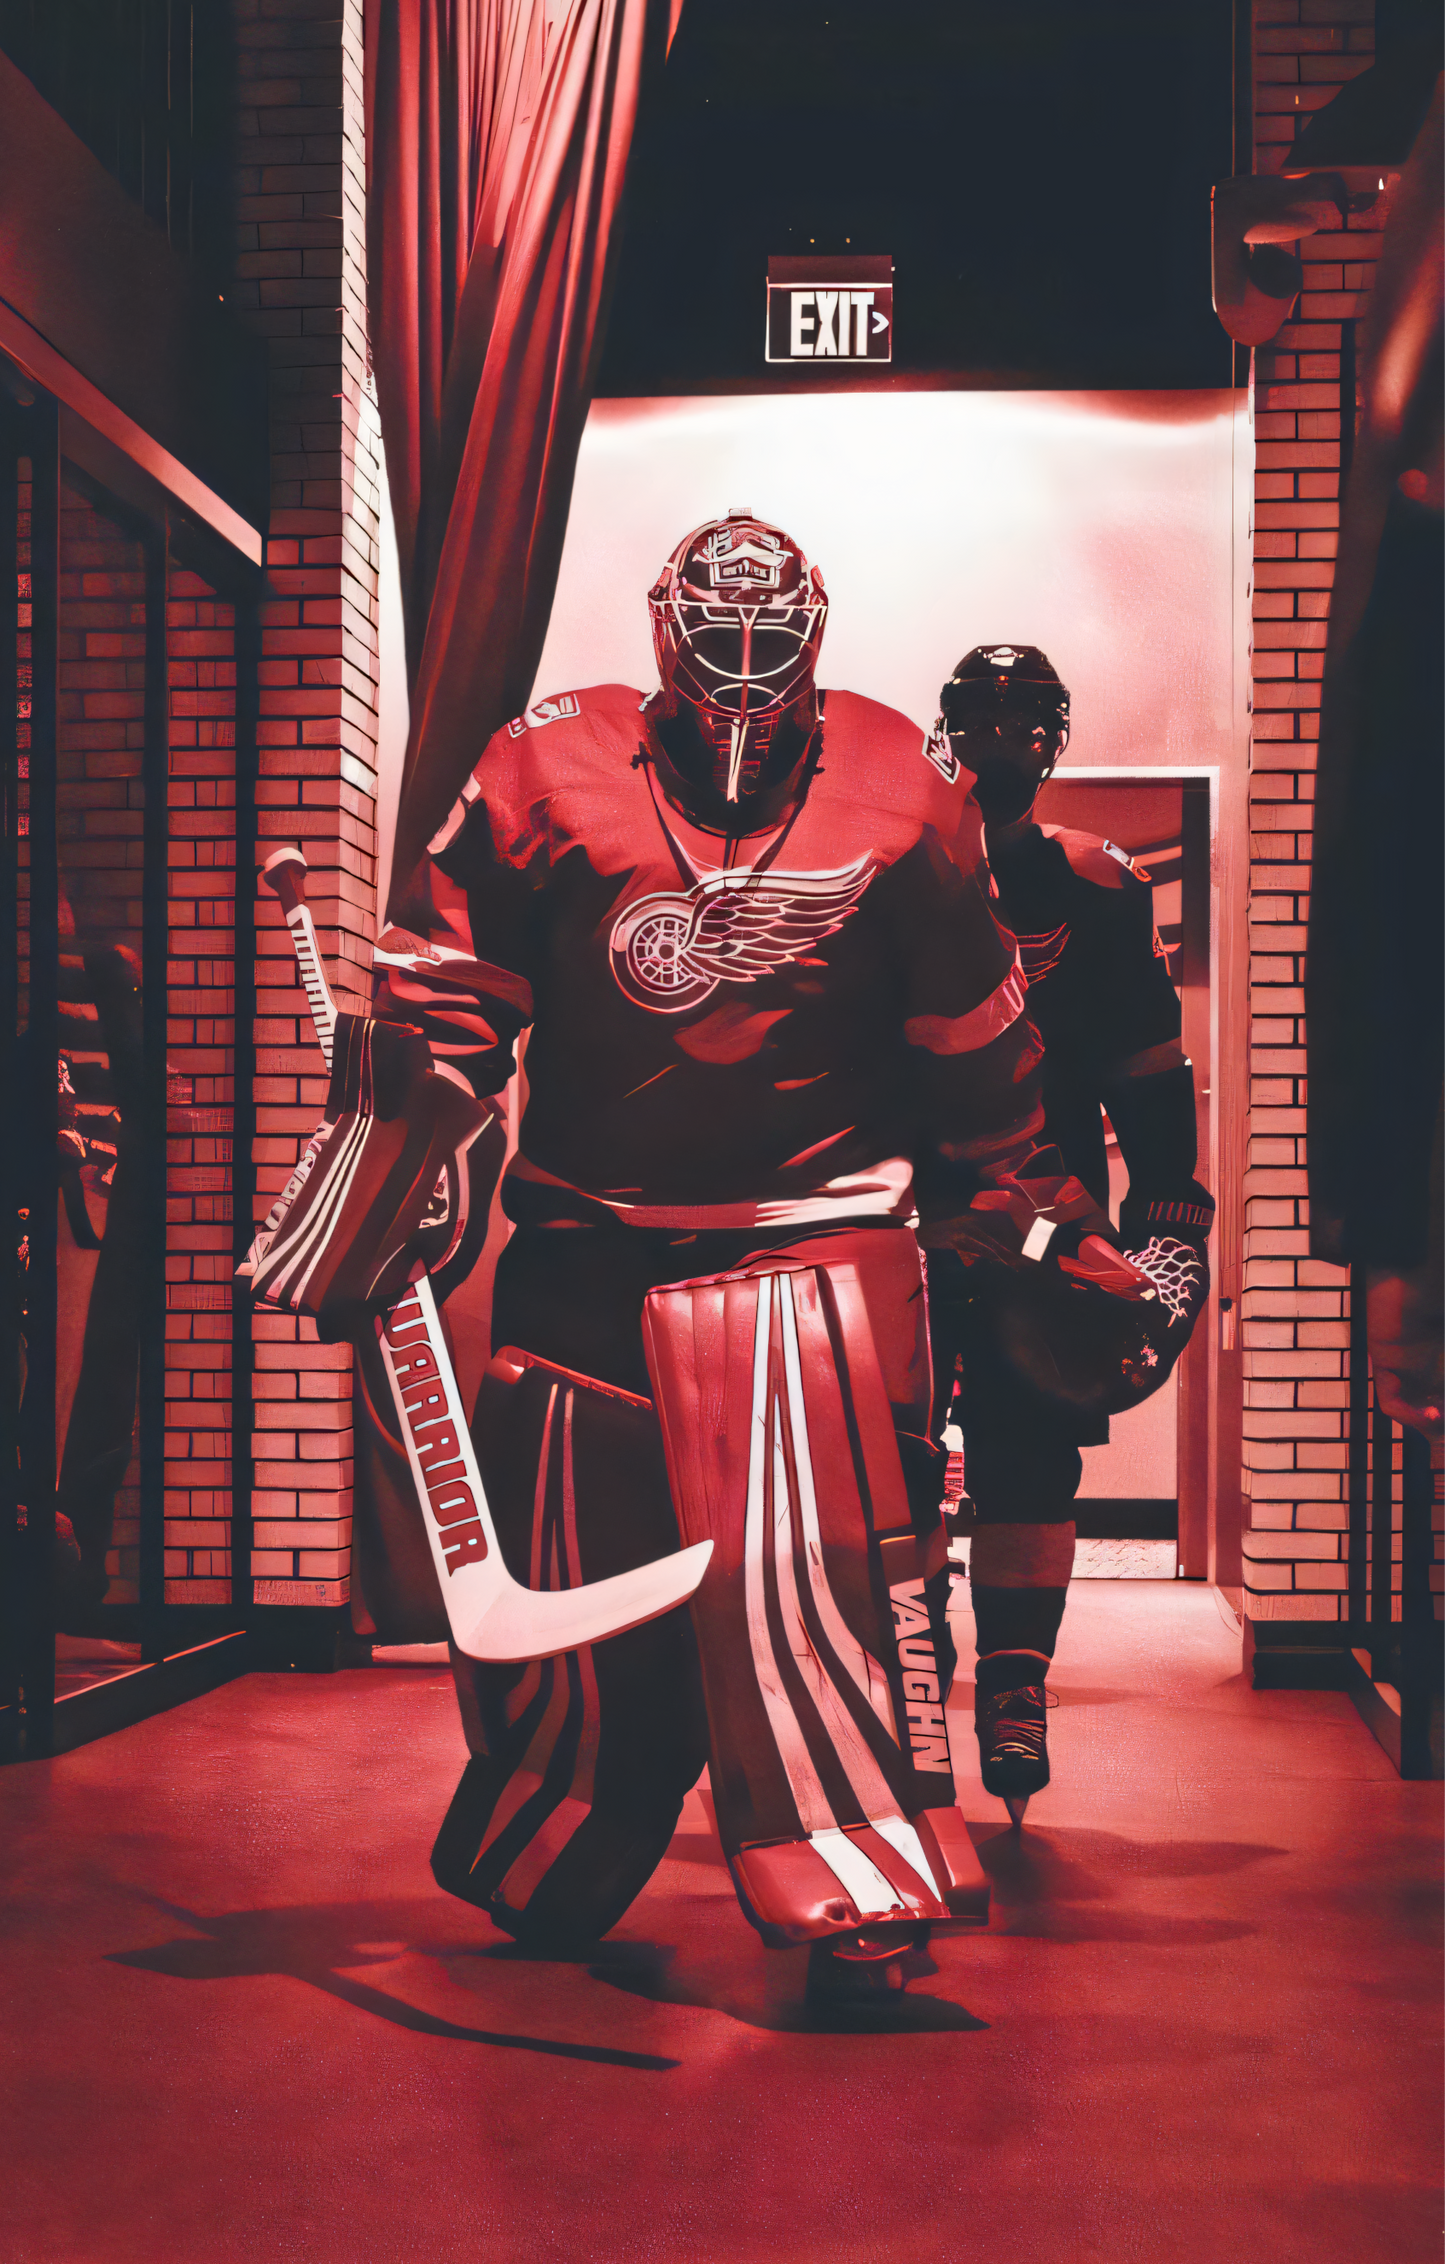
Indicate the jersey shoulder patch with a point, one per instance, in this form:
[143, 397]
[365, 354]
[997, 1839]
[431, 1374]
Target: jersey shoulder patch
[563, 739]
[554, 710]
[938, 750]
[566, 707]
[1095, 859]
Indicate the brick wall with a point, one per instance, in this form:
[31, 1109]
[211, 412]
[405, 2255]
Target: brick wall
[200, 1088]
[1296, 1309]
[302, 284]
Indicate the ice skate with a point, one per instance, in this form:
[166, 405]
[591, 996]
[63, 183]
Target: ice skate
[1012, 1727]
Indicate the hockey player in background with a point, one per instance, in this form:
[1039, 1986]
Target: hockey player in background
[1101, 999]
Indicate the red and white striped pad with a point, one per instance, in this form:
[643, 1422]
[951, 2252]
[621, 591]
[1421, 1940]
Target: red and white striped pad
[830, 1763]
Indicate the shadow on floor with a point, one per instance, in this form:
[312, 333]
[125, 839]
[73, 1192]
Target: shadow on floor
[1045, 1881]
[311, 1943]
[763, 1991]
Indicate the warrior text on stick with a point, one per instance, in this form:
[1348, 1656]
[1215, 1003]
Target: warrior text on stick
[433, 1436]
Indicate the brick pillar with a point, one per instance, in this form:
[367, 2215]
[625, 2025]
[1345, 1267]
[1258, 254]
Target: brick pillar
[200, 1064]
[302, 264]
[1296, 1309]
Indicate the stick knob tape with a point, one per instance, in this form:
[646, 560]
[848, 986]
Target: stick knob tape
[284, 873]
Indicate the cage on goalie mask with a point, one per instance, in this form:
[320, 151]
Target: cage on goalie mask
[737, 621]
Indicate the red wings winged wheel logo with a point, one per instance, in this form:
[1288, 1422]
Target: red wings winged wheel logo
[671, 951]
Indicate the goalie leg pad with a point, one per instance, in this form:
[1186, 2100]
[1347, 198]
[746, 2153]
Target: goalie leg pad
[580, 1763]
[818, 1622]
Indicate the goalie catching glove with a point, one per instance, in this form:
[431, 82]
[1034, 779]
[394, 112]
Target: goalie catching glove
[1088, 1320]
[383, 1189]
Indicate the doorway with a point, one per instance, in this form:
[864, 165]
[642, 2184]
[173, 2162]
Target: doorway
[1143, 1502]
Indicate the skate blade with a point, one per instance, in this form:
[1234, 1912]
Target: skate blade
[1017, 1804]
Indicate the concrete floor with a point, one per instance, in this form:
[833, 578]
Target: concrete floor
[242, 2023]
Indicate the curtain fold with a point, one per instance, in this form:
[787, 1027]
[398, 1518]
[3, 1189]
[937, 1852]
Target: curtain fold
[498, 134]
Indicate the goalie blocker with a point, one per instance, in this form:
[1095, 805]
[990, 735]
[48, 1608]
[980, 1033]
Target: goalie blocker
[383, 1188]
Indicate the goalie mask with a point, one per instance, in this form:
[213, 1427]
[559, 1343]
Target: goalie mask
[1008, 716]
[737, 620]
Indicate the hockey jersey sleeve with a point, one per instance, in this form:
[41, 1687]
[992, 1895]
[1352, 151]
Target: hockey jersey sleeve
[459, 961]
[973, 1055]
[1121, 999]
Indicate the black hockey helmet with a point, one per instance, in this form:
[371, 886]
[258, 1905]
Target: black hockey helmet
[994, 679]
[1008, 710]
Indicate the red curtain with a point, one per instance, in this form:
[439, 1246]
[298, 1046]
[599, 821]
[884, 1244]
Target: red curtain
[498, 134]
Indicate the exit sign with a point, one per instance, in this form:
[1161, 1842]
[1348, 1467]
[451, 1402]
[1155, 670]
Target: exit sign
[830, 310]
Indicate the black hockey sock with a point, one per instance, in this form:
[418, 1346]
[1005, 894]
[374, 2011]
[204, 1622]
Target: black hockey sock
[1008, 1670]
[1018, 1619]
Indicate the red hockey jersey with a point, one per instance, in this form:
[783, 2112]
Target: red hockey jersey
[786, 1026]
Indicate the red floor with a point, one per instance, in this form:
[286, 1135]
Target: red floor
[242, 2023]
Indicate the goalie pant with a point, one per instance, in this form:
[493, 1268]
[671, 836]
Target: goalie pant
[793, 1390]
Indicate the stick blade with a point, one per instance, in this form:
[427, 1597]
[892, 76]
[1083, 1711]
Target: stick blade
[532, 1623]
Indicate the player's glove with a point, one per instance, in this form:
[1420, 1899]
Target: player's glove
[1041, 1283]
[1166, 1236]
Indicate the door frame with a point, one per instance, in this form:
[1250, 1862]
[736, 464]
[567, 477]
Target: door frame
[1211, 1374]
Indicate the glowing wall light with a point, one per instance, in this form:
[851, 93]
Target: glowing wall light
[1099, 526]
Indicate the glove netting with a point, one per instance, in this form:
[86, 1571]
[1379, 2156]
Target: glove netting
[1176, 1270]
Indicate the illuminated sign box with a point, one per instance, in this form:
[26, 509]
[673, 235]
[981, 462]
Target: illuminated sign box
[838, 310]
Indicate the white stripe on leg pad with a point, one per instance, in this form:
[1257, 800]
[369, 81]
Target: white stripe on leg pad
[870, 1892]
[900, 1834]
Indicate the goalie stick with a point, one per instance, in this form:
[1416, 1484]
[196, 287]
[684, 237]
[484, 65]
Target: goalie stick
[491, 1615]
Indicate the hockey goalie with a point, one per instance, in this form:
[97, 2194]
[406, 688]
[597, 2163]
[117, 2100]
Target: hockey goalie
[772, 1021]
